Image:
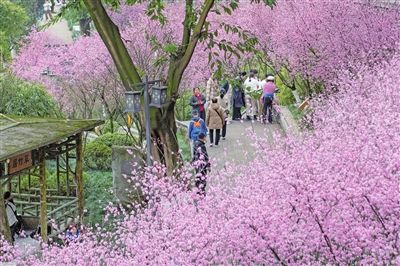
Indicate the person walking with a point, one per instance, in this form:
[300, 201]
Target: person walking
[197, 102]
[47, 9]
[238, 96]
[201, 163]
[223, 102]
[214, 121]
[228, 97]
[251, 85]
[196, 126]
[212, 90]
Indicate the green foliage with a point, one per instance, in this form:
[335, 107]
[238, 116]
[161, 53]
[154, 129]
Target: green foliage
[97, 153]
[183, 111]
[13, 19]
[295, 111]
[170, 48]
[18, 97]
[52, 182]
[34, 181]
[97, 195]
[31, 9]
[183, 145]
[97, 156]
[285, 95]
[74, 15]
[107, 126]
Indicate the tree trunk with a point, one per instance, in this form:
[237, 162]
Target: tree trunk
[296, 96]
[163, 128]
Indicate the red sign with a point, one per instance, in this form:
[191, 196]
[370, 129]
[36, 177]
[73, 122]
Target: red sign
[20, 162]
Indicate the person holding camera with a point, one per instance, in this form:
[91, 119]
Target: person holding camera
[223, 102]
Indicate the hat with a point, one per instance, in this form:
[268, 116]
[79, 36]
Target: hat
[195, 112]
[271, 78]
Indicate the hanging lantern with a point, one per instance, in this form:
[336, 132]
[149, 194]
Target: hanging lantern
[133, 103]
[159, 96]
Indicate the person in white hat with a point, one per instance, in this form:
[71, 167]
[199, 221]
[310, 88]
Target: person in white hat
[268, 96]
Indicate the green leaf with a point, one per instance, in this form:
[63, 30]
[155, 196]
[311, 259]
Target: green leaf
[227, 10]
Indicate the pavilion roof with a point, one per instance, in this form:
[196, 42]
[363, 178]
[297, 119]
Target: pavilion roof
[19, 134]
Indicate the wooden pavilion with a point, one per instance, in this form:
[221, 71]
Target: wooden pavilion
[26, 144]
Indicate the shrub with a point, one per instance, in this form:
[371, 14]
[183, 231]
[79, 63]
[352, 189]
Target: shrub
[183, 111]
[97, 154]
[52, 182]
[107, 127]
[34, 181]
[97, 194]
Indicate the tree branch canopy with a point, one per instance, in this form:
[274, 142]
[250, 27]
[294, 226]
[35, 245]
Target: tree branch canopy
[110, 34]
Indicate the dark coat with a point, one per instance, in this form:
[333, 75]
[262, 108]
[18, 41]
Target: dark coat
[194, 100]
[238, 93]
[200, 158]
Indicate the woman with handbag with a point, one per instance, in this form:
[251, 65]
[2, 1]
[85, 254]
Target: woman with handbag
[214, 120]
[14, 220]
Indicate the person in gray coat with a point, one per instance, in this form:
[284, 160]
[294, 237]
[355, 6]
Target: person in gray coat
[197, 102]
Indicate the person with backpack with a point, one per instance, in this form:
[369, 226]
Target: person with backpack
[196, 126]
[201, 163]
[215, 119]
[197, 102]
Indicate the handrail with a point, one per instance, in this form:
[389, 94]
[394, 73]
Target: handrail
[62, 206]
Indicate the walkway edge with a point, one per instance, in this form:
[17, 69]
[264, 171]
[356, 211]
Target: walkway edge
[287, 122]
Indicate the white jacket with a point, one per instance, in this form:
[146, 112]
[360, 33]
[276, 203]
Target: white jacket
[10, 209]
[253, 83]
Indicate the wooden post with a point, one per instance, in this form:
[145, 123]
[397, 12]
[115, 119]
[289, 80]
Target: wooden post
[79, 176]
[43, 195]
[4, 226]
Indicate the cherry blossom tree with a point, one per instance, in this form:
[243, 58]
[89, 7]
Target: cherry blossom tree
[318, 40]
[328, 197]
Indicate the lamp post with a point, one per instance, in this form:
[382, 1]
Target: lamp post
[158, 99]
[48, 73]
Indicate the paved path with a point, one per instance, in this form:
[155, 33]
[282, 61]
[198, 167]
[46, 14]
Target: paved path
[59, 30]
[239, 143]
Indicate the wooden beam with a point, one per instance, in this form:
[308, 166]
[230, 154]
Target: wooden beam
[79, 176]
[43, 195]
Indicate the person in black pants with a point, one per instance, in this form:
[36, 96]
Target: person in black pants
[225, 108]
[201, 163]
[238, 96]
[267, 110]
[215, 119]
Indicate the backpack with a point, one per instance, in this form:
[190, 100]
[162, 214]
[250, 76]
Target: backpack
[196, 127]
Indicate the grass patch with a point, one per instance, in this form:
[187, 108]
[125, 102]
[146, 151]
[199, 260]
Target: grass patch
[97, 195]
[183, 145]
[295, 112]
